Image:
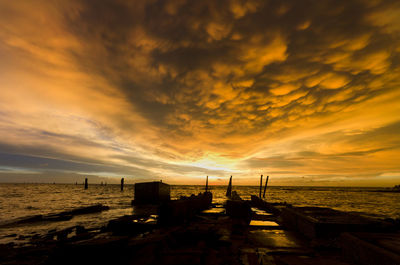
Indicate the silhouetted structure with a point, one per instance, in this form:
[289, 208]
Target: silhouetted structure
[229, 190]
[122, 184]
[265, 187]
[260, 186]
[86, 183]
[239, 209]
[151, 193]
[207, 184]
[184, 209]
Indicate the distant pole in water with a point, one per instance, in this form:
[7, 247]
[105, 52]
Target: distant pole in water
[76, 182]
[229, 190]
[260, 186]
[122, 184]
[86, 184]
[207, 184]
[265, 187]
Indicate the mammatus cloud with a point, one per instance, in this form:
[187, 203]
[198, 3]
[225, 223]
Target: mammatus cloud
[181, 89]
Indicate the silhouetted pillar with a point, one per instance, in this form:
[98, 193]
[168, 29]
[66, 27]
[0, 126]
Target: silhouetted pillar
[229, 190]
[122, 184]
[86, 184]
[207, 184]
[260, 186]
[265, 188]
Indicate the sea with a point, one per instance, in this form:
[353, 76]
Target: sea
[24, 200]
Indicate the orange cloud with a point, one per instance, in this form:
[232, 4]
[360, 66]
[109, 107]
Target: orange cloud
[186, 88]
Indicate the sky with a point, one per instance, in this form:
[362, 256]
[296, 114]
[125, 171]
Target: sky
[307, 92]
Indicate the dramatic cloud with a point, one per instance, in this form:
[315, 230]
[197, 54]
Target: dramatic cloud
[181, 89]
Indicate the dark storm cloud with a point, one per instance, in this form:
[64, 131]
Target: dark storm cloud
[32, 162]
[331, 53]
[54, 177]
[69, 164]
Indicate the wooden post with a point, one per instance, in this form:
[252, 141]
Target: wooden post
[265, 188]
[229, 190]
[86, 184]
[260, 186]
[122, 184]
[207, 184]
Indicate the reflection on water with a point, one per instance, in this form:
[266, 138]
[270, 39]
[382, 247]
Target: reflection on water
[21, 200]
[263, 223]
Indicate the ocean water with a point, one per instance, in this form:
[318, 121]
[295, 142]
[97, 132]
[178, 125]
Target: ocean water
[24, 200]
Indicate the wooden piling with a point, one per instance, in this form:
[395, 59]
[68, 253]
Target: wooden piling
[122, 184]
[86, 183]
[229, 190]
[265, 187]
[207, 184]
[260, 186]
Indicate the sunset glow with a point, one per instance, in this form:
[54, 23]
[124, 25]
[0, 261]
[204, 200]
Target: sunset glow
[305, 92]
